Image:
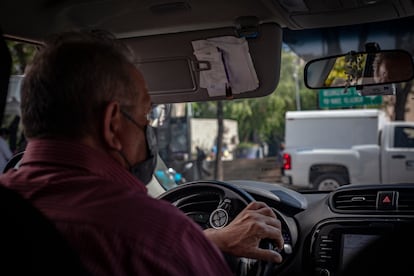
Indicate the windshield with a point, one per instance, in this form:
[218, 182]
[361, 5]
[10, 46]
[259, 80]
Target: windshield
[304, 139]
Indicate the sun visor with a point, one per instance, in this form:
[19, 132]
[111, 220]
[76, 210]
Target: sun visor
[209, 65]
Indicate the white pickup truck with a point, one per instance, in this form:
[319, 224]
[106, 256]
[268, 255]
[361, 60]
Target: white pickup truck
[329, 148]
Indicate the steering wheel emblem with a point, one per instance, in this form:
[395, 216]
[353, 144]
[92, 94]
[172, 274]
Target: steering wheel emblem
[219, 218]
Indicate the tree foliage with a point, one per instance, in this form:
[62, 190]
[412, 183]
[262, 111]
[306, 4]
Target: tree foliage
[263, 119]
[22, 54]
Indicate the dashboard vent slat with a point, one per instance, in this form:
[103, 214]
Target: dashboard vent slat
[406, 200]
[355, 200]
[365, 200]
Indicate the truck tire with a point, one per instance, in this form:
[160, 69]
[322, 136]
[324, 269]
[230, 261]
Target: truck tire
[328, 182]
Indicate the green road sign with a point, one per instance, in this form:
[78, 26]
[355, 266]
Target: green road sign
[335, 97]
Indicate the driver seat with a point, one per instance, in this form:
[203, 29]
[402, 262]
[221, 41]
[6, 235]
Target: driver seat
[29, 243]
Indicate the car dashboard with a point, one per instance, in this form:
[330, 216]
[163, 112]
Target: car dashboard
[323, 231]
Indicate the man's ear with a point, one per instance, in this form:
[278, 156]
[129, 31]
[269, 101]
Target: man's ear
[112, 125]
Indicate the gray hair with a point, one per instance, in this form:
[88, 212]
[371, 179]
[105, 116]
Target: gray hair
[71, 80]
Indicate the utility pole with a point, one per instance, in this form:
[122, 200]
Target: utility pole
[296, 77]
[218, 168]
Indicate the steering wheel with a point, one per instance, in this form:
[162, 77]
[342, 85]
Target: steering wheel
[214, 204]
[14, 161]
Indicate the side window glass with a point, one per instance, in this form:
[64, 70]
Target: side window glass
[404, 137]
[22, 54]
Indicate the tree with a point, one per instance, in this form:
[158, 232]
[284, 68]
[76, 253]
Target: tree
[395, 106]
[263, 119]
[22, 54]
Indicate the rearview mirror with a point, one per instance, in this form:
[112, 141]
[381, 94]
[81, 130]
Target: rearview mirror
[359, 69]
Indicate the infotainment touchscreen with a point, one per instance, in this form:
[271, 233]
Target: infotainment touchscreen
[352, 244]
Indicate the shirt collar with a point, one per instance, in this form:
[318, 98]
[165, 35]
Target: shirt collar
[77, 155]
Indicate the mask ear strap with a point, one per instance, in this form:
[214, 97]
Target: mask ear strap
[151, 138]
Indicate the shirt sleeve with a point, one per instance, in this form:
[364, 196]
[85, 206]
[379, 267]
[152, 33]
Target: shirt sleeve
[188, 253]
[199, 255]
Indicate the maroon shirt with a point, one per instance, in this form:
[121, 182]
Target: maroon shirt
[107, 216]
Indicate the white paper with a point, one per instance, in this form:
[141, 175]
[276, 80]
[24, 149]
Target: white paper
[215, 79]
[231, 65]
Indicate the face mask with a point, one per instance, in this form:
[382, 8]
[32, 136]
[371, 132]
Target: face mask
[145, 169]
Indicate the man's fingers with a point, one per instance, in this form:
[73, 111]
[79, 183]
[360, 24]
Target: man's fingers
[255, 205]
[272, 221]
[266, 216]
[269, 228]
[261, 208]
[274, 234]
[266, 255]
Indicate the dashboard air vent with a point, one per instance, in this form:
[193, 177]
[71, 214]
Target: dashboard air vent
[406, 200]
[354, 200]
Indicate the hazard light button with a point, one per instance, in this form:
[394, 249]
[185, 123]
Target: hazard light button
[387, 200]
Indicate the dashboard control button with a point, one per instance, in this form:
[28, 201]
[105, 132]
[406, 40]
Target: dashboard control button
[387, 200]
[324, 272]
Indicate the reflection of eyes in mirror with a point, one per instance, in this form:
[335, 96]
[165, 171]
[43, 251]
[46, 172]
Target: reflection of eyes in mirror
[362, 68]
[391, 67]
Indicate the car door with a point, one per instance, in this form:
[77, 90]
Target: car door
[398, 159]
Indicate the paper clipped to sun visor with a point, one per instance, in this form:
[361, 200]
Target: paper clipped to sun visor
[231, 65]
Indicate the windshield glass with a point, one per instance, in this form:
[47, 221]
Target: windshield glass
[278, 138]
[304, 139]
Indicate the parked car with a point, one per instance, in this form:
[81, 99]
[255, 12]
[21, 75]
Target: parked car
[345, 147]
[323, 230]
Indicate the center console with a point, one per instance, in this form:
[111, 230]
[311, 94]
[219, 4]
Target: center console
[335, 242]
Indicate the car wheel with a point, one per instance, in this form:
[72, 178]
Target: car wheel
[328, 182]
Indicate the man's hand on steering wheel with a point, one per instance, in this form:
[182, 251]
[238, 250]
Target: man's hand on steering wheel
[243, 235]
